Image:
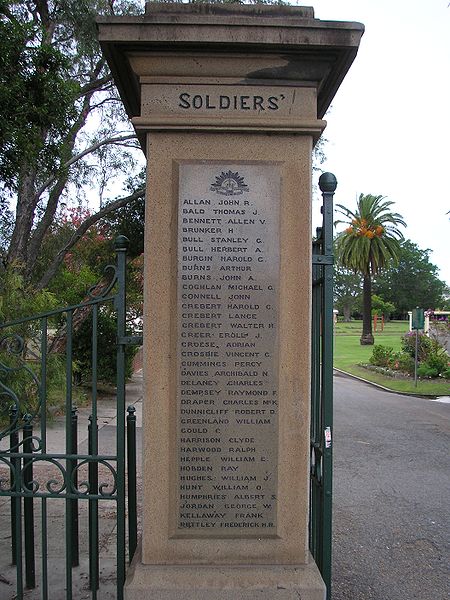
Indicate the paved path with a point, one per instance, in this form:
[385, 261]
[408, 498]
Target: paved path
[391, 495]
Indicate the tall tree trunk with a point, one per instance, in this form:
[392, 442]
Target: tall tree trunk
[25, 210]
[347, 310]
[367, 337]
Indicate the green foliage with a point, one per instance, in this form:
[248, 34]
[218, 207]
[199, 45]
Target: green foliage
[6, 225]
[437, 360]
[426, 371]
[402, 361]
[347, 291]
[36, 95]
[19, 299]
[424, 345]
[384, 356]
[19, 379]
[129, 220]
[83, 266]
[433, 359]
[349, 355]
[106, 359]
[371, 239]
[381, 355]
[380, 307]
[413, 281]
[70, 287]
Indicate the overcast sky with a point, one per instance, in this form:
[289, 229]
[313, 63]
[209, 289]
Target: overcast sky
[389, 125]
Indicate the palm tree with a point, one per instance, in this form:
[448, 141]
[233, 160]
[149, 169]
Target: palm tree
[369, 243]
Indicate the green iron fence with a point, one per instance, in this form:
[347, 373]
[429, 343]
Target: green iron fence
[322, 387]
[32, 479]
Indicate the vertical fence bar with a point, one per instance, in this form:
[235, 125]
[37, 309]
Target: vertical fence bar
[316, 341]
[316, 491]
[327, 184]
[43, 404]
[131, 472]
[28, 508]
[121, 246]
[93, 511]
[18, 532]
[74, 502]
[93, 468]
[94, 375]
[69, 484]
[14, 474]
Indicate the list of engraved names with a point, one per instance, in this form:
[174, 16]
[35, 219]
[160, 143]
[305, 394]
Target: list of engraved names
[227, 349]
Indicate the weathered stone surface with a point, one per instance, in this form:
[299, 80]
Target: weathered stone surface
[227, 390]
[170, 154]
[150, 582]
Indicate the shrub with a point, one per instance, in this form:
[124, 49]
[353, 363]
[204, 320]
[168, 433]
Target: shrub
[20, 378]
[381, 356]
[424, 345]
[402, 361]
[425, 370]
[106, 351]
[437, 360]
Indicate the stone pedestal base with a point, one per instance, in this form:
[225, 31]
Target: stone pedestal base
[204, 582]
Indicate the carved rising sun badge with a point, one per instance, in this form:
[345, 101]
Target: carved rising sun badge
[229, 184]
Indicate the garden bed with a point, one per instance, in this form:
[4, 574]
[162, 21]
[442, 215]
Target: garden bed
[350, 357]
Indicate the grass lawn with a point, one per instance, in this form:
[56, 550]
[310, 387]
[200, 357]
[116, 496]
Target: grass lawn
[348, 353]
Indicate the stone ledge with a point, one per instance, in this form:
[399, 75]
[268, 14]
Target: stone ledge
[244, 10]
[291, 32]
[206, 582]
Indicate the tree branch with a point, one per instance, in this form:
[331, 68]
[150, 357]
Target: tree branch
[78, 233]
[110, 99]
[43, 225]
[59, 179]
[47, 23]
[4, 10]
[94, 86]
[79, 156]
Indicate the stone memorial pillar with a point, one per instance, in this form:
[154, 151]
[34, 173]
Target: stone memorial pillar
[227, 102]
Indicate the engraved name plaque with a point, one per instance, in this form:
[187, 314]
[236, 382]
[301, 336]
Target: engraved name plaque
[227, 349]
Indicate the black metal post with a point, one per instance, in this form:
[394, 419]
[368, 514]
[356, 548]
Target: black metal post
[30, 569]
[93, 512]
[327, 184]
[74, 479]
[416, 354]
[14, 475]
[131, 473]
